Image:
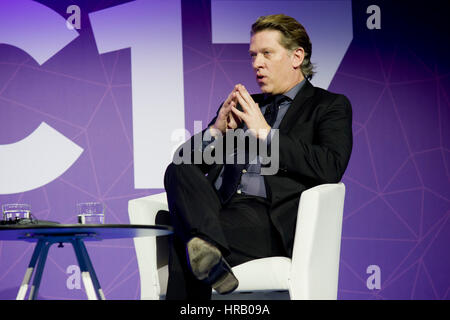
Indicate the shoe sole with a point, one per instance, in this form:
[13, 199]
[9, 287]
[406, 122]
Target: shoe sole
[202, 258]
[207, 264]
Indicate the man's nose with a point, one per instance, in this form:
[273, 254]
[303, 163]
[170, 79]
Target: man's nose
[257, 62]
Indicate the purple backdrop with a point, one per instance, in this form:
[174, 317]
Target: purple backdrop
[398, 197]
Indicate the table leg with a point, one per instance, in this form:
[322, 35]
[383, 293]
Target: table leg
[85, 275]
[29, 273]
[91, 270]
[39, 270]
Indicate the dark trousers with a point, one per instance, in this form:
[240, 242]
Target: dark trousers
[241, 229]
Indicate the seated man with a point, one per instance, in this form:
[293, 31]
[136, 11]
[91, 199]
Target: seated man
[226, 214]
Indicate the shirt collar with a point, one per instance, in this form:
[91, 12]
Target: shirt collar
[292, 92]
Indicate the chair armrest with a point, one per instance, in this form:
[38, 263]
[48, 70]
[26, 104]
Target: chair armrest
[315, 257]
[143, 211]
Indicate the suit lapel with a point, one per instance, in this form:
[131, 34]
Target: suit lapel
[299, 104]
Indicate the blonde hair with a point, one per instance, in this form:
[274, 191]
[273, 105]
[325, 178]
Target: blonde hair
[293, 36]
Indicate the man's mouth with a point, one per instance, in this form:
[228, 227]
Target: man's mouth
[260, 78]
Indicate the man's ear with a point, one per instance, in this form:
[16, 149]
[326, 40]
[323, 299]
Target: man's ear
[297, 57]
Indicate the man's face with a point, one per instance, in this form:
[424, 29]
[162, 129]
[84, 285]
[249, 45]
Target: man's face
[273, 64]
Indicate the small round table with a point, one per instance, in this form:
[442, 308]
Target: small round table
[47, 235]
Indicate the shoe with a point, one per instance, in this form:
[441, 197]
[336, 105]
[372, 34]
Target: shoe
[222, 279]
[208, 265]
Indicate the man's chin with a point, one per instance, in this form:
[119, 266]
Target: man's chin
[265, 89]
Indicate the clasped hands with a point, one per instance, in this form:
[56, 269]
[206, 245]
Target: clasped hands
[229, 117]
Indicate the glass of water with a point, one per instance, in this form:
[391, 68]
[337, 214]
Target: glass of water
[90, 213]
[16, 211]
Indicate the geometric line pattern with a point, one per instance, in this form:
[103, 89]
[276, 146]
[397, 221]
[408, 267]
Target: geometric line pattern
[413, 194]
[397, 206]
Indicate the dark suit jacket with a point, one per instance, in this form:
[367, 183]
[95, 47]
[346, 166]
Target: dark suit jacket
[315, 143]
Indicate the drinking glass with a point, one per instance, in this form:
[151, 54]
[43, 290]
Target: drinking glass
[90, 213]
[16, 211]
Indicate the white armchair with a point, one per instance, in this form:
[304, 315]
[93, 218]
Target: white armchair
[312, 273]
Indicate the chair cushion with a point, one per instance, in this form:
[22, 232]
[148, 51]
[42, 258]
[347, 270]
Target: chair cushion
[264, 274]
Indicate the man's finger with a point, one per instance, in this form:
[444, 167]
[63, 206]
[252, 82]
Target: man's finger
[231, 104]
[241, 115]
[242, 102]
[231, 97]
[228, 100]
[246, 96]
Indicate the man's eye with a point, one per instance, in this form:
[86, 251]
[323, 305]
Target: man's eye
[266, 53]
